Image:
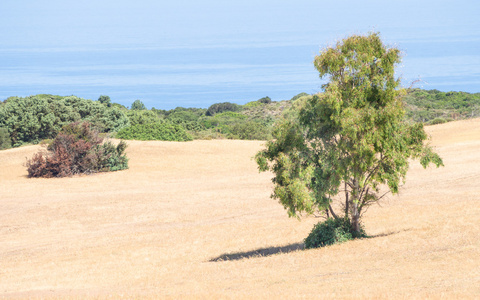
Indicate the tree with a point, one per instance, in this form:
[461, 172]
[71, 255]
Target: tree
[138, 105]
[105, 100]
[349, 143]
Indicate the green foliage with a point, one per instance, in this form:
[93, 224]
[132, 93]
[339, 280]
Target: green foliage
[253, 104]
[111, 157]
[77, 149]
[137, 117]
[138, 105]
[332, 231]
[162, 131]
[222, 120]
[259, 102]
[188, 118]
[5, 141]
[222, 107]
[105, 100]
[234, 125]
[39, 117]
[299, 96]
[249, 130]
[437, 121]
[265, 100]
[427, 105]
[350, 139]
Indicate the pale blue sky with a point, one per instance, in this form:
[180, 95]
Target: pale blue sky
[60, 46]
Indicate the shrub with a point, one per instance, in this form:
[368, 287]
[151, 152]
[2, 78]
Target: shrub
[250, 130]
[221, 107]
[77, 150]
[34, 118]
[252, 104]
[5, 141]
[138, 105]
[437, 121]
[332, 231]
[161, 131]
[105, 100]
[111, 157]
[265, 100]
[142, 117]
[299, 96]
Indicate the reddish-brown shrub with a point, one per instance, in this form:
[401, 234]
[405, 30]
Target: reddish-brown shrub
[77, 150]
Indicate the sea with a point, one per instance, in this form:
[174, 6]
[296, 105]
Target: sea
[200, 75]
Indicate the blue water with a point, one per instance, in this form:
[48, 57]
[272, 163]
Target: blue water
[165, 78]
[196, 53]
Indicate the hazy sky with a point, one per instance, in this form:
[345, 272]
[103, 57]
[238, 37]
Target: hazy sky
[190, 23]
[437, 37]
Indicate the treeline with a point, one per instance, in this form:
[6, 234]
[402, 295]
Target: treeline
[434, 107]
[36, 118]
[30, 120]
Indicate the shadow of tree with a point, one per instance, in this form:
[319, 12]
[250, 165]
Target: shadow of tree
[259, 252]
[388, 233]
[262, 252]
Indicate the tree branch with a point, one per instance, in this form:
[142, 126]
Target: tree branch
[333, 213]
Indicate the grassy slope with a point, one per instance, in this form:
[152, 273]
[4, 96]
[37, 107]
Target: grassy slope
[152, 230]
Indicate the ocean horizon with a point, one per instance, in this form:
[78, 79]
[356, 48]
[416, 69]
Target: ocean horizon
[194, 75]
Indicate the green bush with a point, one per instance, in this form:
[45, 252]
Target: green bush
[188, 118]
[161, 131]
[5, 141]
[34, 118]
[437, 121]
[222, 107]
[111, 157]
[299, 96]
[265, 100]
[332, 231]
[250, 130]
[138, 105]
[136, 117]
[253, 104]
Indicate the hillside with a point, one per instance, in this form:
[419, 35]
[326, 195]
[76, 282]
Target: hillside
[35, 118]
[194, 219]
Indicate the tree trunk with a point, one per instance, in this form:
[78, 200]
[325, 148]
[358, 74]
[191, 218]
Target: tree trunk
[346, 199]
[331, 210]
[355, 218]
[355, 212]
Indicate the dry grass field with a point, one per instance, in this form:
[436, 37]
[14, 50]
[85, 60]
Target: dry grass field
[194, 220]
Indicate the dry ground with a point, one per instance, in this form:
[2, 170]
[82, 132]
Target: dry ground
[153, 230]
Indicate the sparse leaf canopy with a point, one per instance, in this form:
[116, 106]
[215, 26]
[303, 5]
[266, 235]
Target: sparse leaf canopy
[351, 139]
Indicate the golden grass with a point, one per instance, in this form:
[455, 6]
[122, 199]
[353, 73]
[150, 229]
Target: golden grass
[194, 220]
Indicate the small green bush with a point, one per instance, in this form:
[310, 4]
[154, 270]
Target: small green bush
[332, 231]
[437, 121]
[160, 131]
[111, 157]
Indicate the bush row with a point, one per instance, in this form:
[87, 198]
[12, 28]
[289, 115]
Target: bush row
[163, 131]
[34, 118]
